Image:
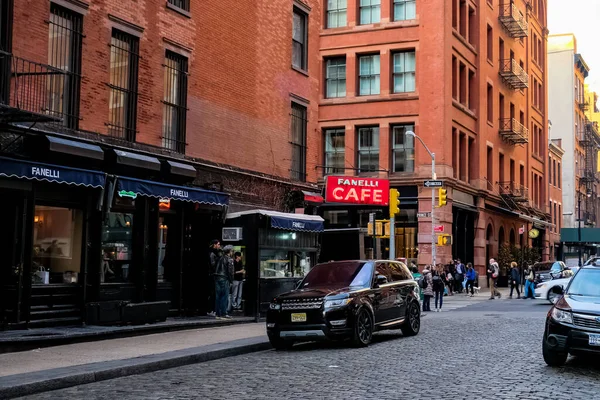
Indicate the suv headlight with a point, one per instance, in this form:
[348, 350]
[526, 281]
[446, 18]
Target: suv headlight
[562, 316]
[336, 303]
[275, 306]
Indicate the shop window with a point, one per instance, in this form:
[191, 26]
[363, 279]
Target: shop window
[404, 72]
[284, 264]
[336, 217]
[57, 244]
[117, 248]
[334, 151]
[403, 148]
[405, 10]
[336, 13]
[370, 11]
[163, 260]
[368, 149]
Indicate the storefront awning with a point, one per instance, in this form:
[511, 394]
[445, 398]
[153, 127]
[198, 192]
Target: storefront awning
[311, 197]
[137, 160]
[287, 221]
[72, 147]
[588, 235]
[130, 187]
[12, 168]
[177, 168]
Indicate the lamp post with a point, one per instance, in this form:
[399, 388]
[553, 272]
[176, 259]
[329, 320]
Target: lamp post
[433, 176]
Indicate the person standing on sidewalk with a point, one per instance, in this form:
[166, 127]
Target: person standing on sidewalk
[460, 275]
[223, 278]
[428, 288]
[438, 287]
[214, 254]
[493, 272]
[529, 283]
[471, 276]
[239, 273]
[515, 280]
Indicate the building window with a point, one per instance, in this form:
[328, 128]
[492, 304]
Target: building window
[299, 39]
[490, 103]
[490, 43]
[404, 149]
[334, 151]
[174, 102]
[558, 175]
[368, 75]
[404, 72]
[336, 13]
[370, 11]
[335, 77]
[123, 83]
[368, 149]
[64, 54]
[299, 120]
[405, 10]
[183, 4]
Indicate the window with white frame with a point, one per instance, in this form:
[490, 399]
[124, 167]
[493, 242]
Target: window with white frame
[368, 75]
[404, 72]
[335, 77]
[403, 148]
[370, 11]
[334, 151]
[336, 13]
[368, 149]
[299, 39]
[405, 10]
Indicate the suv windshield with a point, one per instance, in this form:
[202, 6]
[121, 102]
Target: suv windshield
[586, 283]
[337, 275]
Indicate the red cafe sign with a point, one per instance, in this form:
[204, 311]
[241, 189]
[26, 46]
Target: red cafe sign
[346, 189]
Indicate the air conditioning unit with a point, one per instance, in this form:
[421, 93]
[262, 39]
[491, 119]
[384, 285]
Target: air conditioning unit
[232, 234]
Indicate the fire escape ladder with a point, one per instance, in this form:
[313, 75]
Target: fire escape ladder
[513, 20]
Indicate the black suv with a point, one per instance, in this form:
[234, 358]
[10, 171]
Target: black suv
[346, 300]
[573, 323]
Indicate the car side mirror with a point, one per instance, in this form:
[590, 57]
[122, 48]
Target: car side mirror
[558, 290]
[381, 280]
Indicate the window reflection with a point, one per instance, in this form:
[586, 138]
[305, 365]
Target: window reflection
[117, 241]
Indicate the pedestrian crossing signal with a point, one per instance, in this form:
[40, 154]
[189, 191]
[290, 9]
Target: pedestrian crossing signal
[444, 240]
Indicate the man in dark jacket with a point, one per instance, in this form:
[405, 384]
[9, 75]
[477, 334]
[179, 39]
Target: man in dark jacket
[223, 277]
[515, 280]
[214, 254]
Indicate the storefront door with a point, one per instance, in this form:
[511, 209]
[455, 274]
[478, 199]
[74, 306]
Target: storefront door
[12, 248]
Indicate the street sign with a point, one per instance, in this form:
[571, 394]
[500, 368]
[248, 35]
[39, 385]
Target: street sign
[424, 215]
[438, 228]
[434, 184]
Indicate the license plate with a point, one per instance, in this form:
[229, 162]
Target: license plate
[594, 339]
[301, 317]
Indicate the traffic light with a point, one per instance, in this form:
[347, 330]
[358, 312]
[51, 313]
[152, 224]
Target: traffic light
[394, 202]
[442, 194]
[444, 240]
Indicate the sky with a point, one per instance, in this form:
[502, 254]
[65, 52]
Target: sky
[582, 18]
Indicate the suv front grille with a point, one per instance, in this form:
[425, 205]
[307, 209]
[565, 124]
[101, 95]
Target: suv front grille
[586, 321]
[304, 304]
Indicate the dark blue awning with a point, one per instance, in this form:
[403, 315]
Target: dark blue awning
[12, 168]
[294, 224]
[130, 187]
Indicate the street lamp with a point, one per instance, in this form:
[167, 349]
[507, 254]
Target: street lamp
[433, 176]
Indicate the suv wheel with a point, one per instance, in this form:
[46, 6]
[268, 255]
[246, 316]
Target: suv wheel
[363, 328]
[552, 357]
[412, 325]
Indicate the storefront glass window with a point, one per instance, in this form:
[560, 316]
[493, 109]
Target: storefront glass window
[284, 264]
[117, 246]
[162, 248]
[57, 243]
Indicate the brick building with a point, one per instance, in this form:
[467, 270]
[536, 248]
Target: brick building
[469, 78]
[122, 121]
[555, 154]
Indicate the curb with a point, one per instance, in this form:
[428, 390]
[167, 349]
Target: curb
[42, 381]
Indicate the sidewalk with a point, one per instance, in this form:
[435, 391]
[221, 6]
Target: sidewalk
[39, 370]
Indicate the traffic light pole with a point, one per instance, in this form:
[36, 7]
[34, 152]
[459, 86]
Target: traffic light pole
[392, 237]
[433, 241]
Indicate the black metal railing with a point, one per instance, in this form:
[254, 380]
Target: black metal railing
[518, 192]
[298, 142]
[24, 90]
[513, 20]
[175, 102]
[513, 131]
[513, 74]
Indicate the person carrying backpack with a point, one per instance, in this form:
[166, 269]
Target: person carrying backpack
[427, 288]
[438, 289]
[493, 272]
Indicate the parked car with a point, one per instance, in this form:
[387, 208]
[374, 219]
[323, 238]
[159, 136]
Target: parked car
[547, 270]
[595, 260]
[573, 323]
[346, 300]
[546, 290]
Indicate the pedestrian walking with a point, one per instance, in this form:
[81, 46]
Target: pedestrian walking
[471, 276]
[427, 288]
[515, 280]
[459, 276]
[493, 272]
[223, 277]
[449, 280]
[239, 273]
[417, 276]
[529, 283]
[438, 287]
[214, 254]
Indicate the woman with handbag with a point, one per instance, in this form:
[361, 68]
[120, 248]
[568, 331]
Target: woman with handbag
[493, 272]
[529, 283]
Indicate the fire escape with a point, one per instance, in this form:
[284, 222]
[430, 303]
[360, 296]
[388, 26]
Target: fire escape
[513, 132]
[589, 140]
[513, 20]
[514, 195]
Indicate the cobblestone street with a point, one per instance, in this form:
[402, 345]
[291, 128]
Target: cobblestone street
[490, 350]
